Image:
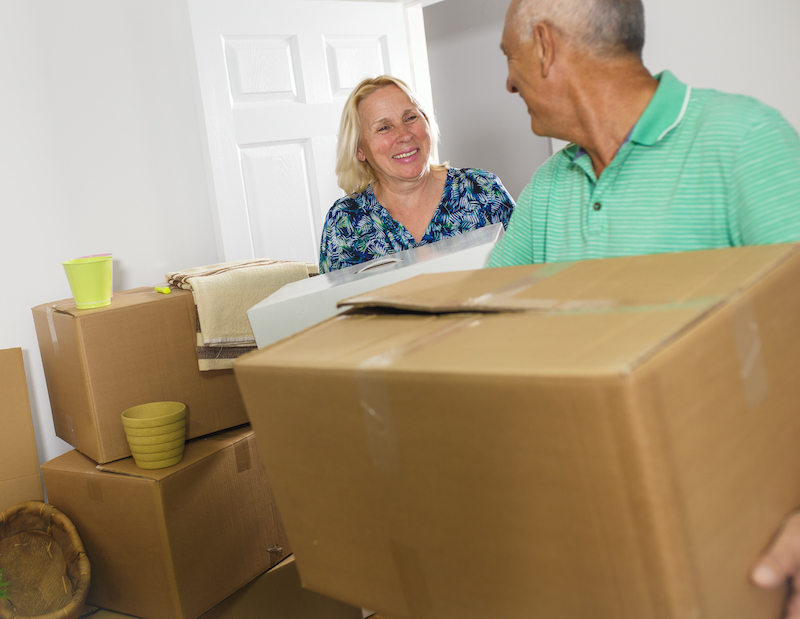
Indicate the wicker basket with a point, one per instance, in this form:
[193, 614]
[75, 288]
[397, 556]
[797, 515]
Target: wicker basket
[43, 562]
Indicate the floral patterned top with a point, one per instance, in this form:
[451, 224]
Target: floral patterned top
[358, 228]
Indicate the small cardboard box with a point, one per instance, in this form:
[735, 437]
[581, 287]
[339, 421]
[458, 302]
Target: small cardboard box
[615, 439]
[19, 466]
[141, 348]
[276, 594]
[302, 304]
[172, 543]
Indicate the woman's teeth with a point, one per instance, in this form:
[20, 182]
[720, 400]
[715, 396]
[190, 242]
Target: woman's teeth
[408, 154]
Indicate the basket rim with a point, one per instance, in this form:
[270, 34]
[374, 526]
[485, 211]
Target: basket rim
[59, 519]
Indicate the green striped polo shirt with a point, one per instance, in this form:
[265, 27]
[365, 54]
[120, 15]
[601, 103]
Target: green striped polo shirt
[700, 170]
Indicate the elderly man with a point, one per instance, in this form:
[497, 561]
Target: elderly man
[653, 165]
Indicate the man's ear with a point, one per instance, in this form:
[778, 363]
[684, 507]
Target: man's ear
[544, 46]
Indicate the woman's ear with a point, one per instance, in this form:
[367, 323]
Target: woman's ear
[360, 155]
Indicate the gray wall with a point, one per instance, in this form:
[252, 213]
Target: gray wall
[743, 46]
[101, 152]
[482, 125]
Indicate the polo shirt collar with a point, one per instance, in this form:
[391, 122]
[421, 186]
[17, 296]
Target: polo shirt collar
[664, 112]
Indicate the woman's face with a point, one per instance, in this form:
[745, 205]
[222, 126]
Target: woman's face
[395, 137]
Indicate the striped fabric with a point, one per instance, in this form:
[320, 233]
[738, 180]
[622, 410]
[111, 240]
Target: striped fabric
[701, 170]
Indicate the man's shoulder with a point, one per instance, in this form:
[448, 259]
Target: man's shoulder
[733, 109]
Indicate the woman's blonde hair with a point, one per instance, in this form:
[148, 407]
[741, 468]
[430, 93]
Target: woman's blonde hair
[354, 175]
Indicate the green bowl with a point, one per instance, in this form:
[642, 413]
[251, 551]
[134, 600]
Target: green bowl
[153, 414]
[160, 448]
[161, 455]
[158, 439]
[159, 464]
[157, 431]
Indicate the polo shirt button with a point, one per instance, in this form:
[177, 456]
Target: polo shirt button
[597, 206]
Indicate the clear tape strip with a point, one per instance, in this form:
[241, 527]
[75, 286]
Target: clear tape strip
[416, 592]
[752, 370]
[243, 461]
[509, 291]
[52, 326]
[375, 402]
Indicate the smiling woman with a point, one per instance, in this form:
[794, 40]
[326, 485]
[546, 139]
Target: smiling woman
[397, 197]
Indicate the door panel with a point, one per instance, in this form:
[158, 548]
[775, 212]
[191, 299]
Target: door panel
[274, 76]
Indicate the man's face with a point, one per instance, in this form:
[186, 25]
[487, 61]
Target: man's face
[524, 72]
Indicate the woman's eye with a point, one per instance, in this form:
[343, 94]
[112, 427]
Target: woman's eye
[384, 128]
[411, 118]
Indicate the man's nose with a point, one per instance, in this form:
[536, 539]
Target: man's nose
[510, 86]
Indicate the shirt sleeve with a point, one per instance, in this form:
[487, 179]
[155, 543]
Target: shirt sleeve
[337, 235]
[765, 188]
[516, 245]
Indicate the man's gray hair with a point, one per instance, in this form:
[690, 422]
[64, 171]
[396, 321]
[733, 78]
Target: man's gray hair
[606, 27]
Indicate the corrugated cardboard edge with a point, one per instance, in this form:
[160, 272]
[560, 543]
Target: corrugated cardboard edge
[713, 307]
[26, 487]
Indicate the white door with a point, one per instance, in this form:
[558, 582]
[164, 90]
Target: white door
[274, 75]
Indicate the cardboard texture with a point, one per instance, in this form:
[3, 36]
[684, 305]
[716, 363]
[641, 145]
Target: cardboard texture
[139, 349]
[615, 439]
[302, 304]
[19, 465]
[172, 543]
[276, 594]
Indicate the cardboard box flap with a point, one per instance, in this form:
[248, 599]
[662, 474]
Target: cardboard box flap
[195, 450]
[120, 300]
[662, 281]
[575, 329]
[19, 465]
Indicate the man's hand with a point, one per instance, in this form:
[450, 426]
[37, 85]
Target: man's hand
[782, 562]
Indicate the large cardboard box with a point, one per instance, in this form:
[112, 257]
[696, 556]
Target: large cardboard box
[302, 304]
[19, 465]
[615, 439]
[141, 348]
[172, 543]
[276, 594]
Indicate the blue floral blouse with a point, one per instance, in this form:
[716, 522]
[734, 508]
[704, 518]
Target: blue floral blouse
[358, 228]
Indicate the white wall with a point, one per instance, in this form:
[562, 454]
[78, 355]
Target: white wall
[743, 46]
[482, 125]
[100, 152]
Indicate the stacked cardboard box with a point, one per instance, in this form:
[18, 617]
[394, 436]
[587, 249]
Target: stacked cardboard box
[172, 543]
[275, 594]
[19, 466]
[615, 439]
[169, 543]
[141, 348]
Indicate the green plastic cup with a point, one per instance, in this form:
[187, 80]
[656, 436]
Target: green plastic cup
[90, 280]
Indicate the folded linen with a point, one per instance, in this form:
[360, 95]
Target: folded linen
[223, 293]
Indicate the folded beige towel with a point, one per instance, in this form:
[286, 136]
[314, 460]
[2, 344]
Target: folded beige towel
[224, 292]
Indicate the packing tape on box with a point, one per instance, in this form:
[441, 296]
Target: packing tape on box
[412, 581]
[243, 461]
[375, 402]
[52, 326]
[504, 296]
[752, 370]
[94, 489]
